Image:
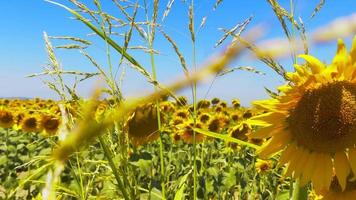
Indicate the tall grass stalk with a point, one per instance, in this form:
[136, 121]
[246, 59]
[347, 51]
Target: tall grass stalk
[151, 37]
[194, 93]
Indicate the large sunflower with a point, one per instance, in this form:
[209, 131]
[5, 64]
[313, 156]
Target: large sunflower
[313, 120]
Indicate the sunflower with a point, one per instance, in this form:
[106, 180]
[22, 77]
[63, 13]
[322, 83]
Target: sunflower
[50, 124]
[313, 120]
[6, 119]
[31, 123]
[262, 166]
[142, 125]
[186, 132]
[236, 103]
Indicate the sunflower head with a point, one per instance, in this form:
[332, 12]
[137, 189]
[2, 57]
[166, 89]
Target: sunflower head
[50, 124]
[203, 104]
[215, 124]
[219, 109]
[182, 113]
[182, 101]
[222, 104]
[247, 114]
[313, 120]
[263, 166]
[176, 121]
[187, 133]
[142, 125]
[215, 101]
[31, 123]
[167, 107]
[176, 138]
[236, 103]
[7, 119]
[204, 117]
[235, 116]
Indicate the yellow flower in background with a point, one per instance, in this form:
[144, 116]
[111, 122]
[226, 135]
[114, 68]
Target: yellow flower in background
[186, 132]
[263, 166]
[31, 123]
[142, 125]
[313, 120]
[50, 124]
[6, 119]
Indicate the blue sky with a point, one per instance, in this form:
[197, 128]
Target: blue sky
[22, 49]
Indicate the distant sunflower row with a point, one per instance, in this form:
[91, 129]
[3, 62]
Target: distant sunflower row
[30, 115]
[176, 117]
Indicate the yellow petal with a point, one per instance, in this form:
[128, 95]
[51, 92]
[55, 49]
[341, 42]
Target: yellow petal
[308, 169]
[287, 155]
[342, 168]
[353, 51]
[268, 131]
[299, 168]
[313, 63]
[269, 104]
[275, 144]
[270, 117]
[340, 57]
[317, 176]
[294, 162]
[327, 171]
[352, 159]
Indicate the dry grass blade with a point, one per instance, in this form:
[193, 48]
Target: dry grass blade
[54, 66]
[140, 30]
[75, 39]
[281, 13]
[232, 31]
[265, 58]
[243, 68]
[64, 72]
[303, 36]
[203, 21]
[145, 49]
[154, 20]
[179, 54]
[88, 128]
[217, 3]
[112, 43]
[70, 46]
[317, 8]
[191, 23]
[168, 9]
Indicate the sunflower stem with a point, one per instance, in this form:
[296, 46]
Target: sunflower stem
[151, 36]
[299, 193]
[108, 156]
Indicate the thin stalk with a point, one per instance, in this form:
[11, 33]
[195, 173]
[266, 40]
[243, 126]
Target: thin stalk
[294, 57]
[194, 91]
[154, 73]
[108, 156]
[299, 193]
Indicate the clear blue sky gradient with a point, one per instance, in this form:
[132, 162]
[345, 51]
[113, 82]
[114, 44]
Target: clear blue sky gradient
[23, 52]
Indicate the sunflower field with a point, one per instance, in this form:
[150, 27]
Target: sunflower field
[298, 144]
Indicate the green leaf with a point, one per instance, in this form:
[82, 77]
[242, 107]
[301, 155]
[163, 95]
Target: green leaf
[180, 193]
[283, 195]
[225, 138]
